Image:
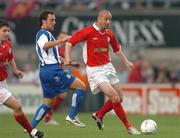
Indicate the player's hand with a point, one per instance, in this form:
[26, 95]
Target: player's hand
[19, 73]
[129, 65]
[62, 59]
[75, 64]
[67, 62]
[65, 38]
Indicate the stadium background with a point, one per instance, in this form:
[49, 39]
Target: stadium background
[147, 29]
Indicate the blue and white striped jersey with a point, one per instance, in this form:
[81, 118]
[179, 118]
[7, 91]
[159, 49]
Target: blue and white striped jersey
[48, 56]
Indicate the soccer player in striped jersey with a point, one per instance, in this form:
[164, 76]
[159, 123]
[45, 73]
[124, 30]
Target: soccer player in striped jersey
[55, 80]
[6, 98]
[101, 73]
[77, 71]
[61, 97]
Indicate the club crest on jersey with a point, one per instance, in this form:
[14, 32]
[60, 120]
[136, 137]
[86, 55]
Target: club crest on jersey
[57, 79]
[68, 76]
[101, 49]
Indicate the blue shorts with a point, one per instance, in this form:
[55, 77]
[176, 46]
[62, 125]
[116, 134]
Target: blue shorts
[54, 80]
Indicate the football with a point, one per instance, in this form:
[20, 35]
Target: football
[148, 126]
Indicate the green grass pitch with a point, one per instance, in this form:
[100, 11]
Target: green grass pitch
[168, 127]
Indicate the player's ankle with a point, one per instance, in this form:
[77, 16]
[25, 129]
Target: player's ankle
[128, 125]
[99, 115]
[47, 118]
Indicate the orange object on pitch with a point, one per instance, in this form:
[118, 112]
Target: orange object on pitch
[81, 74]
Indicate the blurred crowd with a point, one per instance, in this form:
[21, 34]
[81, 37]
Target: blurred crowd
[143, 72]
[15, 9]
[146, 72]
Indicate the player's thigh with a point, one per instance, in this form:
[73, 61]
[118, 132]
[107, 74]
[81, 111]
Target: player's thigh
[77, 83]
[12, 103]
[107, 89]
[117, 87]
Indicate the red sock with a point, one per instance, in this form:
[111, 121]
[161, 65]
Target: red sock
[54, 107]
[121, 114]
[23, 121]
[57, 103]
[106, 108]
[48, 116]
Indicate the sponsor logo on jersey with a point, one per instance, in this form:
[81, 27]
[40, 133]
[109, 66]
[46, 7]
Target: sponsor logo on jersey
[57, 79]
[101, 49]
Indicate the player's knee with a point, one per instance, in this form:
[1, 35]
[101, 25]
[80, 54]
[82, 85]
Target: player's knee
[121, 98]
[48, 102]
[17, 108]
[115, 98]
[82, 86]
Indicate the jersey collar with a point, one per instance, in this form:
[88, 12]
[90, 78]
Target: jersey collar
[96, 27]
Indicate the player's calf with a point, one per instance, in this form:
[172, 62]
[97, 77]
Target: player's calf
[77, 99]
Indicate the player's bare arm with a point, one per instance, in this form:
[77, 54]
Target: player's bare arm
[129, 64]
[62, 59]
[54, 43]
[68, 49]
[72, 63]
[19, 73]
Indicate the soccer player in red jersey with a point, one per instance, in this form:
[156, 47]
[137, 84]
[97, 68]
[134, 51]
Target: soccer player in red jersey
[101, 73]
[6, 57]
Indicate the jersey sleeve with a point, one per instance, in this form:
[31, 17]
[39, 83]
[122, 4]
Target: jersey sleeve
[115, 45]
[42, 40]
[78, 37]
[61, 51]
[10, 52]
[11, 55]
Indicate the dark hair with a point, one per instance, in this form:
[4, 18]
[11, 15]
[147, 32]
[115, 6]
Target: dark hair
[4, 23]
[44, 16]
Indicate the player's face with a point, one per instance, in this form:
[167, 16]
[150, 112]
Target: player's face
[51, 22]
[105, 21]
[4, 33]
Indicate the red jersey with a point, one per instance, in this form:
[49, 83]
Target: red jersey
[96, 47]
[61, 51]
[5, 55]
[135, 75]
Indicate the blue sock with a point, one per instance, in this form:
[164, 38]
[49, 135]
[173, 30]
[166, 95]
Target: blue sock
[77, 99]
[39, 115]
